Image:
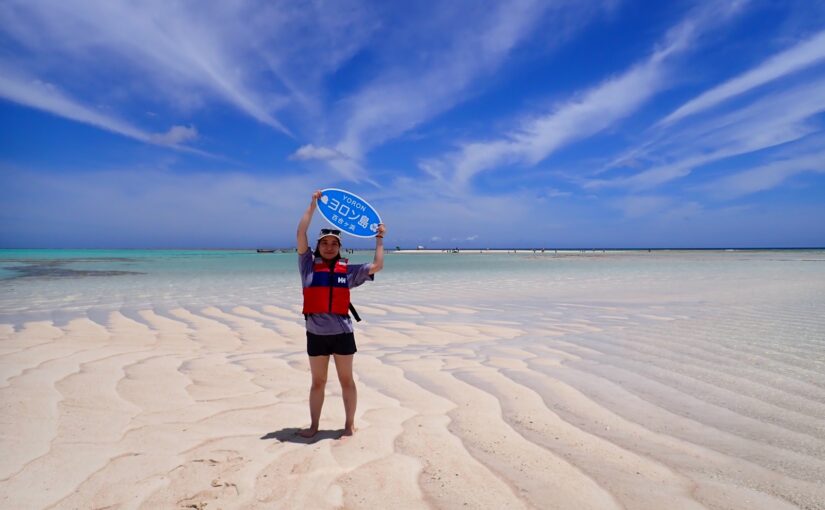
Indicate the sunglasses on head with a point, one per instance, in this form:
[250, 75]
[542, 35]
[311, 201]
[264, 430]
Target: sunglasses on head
[333, 231]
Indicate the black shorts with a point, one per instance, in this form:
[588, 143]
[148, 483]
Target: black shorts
[324, 345]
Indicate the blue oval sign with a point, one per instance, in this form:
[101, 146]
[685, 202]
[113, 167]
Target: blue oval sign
[348, 212]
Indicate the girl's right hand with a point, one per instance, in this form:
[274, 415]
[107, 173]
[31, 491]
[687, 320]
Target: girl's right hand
[316, 195]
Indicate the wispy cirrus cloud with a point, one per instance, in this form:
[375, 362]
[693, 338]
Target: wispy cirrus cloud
[166, 43]
[459, 48]
[768, 120]
[540, 136]
[43, 96]
[801, 56]
[265, 59]
[34, 93]
[405, 95]
[768, 175]
[586, 114]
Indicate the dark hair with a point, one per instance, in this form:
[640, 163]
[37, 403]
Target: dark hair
[317, 252]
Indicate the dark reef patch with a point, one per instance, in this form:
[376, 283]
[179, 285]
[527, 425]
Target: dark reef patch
[55, 268]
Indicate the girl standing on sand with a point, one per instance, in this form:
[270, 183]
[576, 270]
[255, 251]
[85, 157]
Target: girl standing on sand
[326, 279]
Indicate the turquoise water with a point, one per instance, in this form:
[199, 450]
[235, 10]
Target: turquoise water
[41, 283]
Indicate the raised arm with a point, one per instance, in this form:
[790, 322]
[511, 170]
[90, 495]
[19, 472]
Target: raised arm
[303, 225]
[378, 261]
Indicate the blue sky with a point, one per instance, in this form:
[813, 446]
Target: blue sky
[581, 123]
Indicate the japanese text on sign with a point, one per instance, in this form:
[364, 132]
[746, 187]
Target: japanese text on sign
[349, 212]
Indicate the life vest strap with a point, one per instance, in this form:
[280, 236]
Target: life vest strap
[351, 309]
[354, 313]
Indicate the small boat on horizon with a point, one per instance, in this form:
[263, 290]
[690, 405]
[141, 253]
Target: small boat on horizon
[265, 250]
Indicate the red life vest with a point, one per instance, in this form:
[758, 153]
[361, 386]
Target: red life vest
[329, 290]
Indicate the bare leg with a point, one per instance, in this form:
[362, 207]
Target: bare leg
[318, 365]
[343, 365]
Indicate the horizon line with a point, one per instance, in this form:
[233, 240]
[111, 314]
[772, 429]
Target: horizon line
[401, 248]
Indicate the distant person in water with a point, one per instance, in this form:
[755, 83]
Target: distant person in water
[326, 279]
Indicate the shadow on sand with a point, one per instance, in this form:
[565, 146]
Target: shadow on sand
[290, 435]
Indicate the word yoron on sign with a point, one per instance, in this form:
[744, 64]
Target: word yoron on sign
[348, 212]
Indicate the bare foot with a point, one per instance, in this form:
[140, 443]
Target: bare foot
[307, 433]
[349, 431]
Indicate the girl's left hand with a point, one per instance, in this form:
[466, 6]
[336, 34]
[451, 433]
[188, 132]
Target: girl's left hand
[381, 230]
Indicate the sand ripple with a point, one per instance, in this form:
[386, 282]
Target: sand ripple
[534, 403]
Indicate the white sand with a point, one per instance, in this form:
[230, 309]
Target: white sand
[631, 398]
